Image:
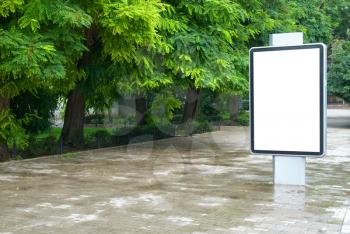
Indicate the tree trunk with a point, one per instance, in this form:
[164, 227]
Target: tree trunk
[4, 153]
[191, 104]
[74, 117]
[110, 117]
[141, 108]
[73, 127]
[234, 109]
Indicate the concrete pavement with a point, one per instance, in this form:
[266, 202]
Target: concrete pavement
[339, 118]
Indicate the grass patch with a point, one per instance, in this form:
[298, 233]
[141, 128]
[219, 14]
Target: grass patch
[52, 132]
[70, 155]
[56, 132]
[18, 157]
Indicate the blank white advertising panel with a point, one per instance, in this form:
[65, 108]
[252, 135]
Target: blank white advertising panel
[287, 100]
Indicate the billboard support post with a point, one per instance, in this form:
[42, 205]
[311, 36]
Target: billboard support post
[288, 170]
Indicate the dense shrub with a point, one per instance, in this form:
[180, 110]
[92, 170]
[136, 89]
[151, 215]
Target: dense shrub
[97, 139]
[39, 106]
[243, 118]
[201, 126]
[225, 116]
[245, 104]
[39, 147]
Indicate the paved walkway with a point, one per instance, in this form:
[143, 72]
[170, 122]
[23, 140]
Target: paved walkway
[204, 184]
[339, 118]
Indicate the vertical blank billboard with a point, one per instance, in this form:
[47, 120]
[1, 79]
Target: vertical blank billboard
[287, 100]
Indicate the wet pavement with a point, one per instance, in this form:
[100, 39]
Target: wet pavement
[207, 183]
[339, 118]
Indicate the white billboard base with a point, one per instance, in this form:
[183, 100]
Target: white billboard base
[289, 170]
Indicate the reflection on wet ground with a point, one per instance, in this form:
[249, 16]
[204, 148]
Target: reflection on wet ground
[207, 183]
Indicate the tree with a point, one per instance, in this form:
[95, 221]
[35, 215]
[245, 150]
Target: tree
[119, 33]
[339, 58]
[338, 11]
[339, 70]
[38, 42]
[210, 50]
[316, 23]
[145, 72]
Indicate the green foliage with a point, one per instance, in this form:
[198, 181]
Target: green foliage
[243, 118]
[60, 13]
[130, 23]
[163, 107]
[40, 106]
[266, 17]
[339, 70]
[98, 138]
[9, 6]
[313, 17]
[42, 55]
[41, 145]
[121, 43]
[11, 130]
[339, 11]
[225, 116]
[208, 106]
[52, 132]
[209, 51]
[69, 155]
[40, 44]
[18, 157]
[200, 126]
[27, 62]
[245, 103]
